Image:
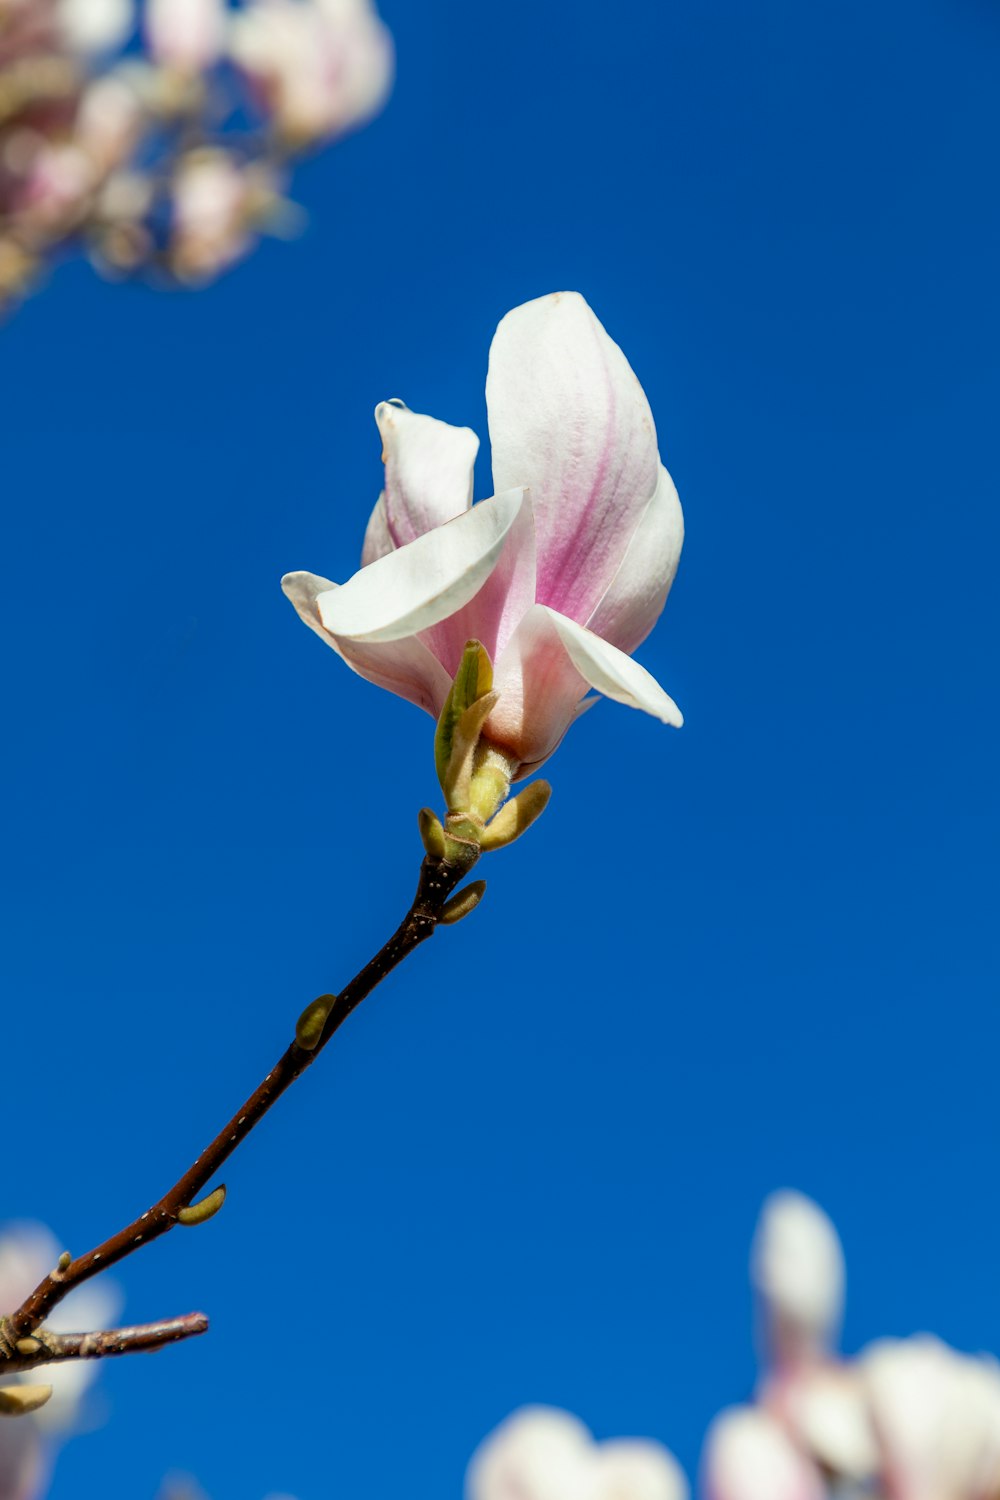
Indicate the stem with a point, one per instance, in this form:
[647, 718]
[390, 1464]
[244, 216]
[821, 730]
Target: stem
[142, 1338]
[438, 879]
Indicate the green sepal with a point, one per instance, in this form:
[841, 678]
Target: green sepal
[431, 832]
[473, 680]
[515, 816]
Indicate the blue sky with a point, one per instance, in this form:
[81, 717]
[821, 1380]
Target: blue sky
[755, 953]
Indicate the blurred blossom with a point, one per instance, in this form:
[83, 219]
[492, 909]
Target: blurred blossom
[319, 67]
[937, 1415]
[907, 1419]
[749, 1457]
[542, 1454]
[76, 111]
[211, 198]
[797, 1269]
[186, 34]
[28, 1444]
[89, 26]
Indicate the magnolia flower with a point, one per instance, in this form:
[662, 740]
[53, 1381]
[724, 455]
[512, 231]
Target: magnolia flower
[541, 1454]
[27, 1253]
[561, 575]
[319, 66]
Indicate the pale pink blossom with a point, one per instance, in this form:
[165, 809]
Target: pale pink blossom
[320, 67]
[543, 1454]
[561, 575]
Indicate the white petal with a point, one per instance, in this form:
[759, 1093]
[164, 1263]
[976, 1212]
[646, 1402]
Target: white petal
[631, 1469]
[634, 599]
[569, 419]
[824, 1405]
[935, 1412]
[611, 672]
[405, 667]
[797, 1268]
[428, 470]
[536, 1454]
[424, 581]
[748, 1457]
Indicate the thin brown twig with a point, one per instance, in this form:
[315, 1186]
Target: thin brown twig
[438, 879]
[142, 1338]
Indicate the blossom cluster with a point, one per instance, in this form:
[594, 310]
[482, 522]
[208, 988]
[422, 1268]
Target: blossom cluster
[905, 1419]
[159, 137]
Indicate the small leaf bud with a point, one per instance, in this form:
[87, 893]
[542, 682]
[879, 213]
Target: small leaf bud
[309, 1026]
[205, 1209]
[463, 901]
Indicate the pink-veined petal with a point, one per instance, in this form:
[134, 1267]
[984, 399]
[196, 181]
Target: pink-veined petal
[493, 614]
[424, 581]
[428, 470]
[749, 1457]
[569, 419]
[540, 691]
[634, 599]
[404, 667]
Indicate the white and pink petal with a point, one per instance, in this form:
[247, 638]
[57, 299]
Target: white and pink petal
[406, 667]
[569, 419]
[429, 468]
[634, 599]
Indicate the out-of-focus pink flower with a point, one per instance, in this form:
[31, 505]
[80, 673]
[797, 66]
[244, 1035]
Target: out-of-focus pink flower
[185, 34]
[27, 1253]
[797, 1269]
[320, 66]
[937, 1416]
[212, 210]
[749, 1457]
[542, 1454]
[561, 574]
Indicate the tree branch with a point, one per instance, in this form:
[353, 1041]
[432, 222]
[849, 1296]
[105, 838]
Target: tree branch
[438, 879]
[47, 1348]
